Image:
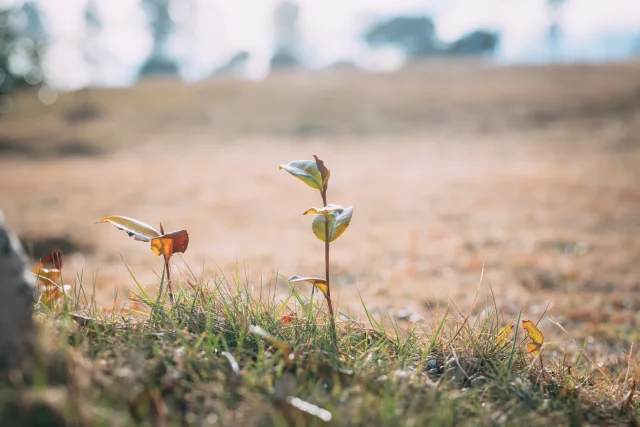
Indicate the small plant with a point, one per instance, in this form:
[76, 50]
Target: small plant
[161, 243]
[49, 277]
[329, 222]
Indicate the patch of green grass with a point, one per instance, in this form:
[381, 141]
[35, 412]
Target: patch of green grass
[197, 363]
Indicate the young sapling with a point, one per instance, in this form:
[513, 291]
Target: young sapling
[329, 222]
[161, 243]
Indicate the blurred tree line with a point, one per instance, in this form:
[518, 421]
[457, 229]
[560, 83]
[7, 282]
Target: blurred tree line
[24, 39]
[22, 45]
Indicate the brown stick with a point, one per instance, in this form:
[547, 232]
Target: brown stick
[168, 277]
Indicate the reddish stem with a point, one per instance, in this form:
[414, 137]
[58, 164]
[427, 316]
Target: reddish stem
[168, 277]
[327, 242]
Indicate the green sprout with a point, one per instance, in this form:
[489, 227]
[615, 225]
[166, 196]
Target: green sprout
[330, 220]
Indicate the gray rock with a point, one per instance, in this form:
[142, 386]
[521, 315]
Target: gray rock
[452, 363]
[17, 293]
[432, 364]
[454, 373]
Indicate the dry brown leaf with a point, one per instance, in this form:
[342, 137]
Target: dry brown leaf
[55, 259]
[47, 275]
[52, 293]
[324, 172]
[168, 244]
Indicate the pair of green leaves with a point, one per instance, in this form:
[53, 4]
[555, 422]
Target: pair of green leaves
[316, 175]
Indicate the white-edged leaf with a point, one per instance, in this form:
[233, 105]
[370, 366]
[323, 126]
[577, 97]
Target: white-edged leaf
[138, 229]
[315, 281]
[324, 211]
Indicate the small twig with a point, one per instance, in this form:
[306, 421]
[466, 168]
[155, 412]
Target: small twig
[167, 270]
[629, 398]
[168, 277]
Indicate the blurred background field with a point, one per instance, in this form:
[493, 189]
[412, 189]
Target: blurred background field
[454, 153]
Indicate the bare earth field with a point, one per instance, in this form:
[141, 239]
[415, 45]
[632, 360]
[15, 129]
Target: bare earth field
[533, 171]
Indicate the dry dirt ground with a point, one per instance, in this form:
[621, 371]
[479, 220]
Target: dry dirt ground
[533, 171]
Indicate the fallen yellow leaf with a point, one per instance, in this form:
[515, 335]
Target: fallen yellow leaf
[535, 335]
[503, 335]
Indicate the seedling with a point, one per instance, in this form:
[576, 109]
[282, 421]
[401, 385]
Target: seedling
[161, 243]
[49, 277]
[329, 222]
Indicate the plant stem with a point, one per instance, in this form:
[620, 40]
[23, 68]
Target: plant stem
[168, 277]
[326, 246]
[327, 243]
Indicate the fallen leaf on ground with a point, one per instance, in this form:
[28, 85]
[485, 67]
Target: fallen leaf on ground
[535, 335]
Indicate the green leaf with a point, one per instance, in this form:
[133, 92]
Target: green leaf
[315, 281]
[339, 220]
[138, 229]
[306, 171]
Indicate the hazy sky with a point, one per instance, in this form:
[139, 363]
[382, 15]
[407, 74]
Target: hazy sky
[209, 32]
